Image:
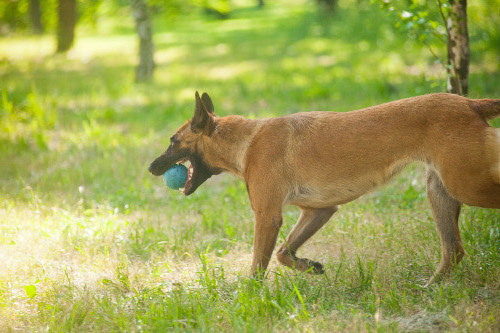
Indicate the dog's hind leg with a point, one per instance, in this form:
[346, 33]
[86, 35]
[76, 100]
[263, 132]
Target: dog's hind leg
[446, 211]
[310, 221]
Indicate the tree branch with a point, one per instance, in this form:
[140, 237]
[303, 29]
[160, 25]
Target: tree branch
[432, 52]
[445, 19]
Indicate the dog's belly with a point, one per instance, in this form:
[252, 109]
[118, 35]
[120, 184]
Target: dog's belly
[324, 197]
[331, 190]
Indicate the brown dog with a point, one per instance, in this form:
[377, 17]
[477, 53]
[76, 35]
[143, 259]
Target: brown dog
[319, 160]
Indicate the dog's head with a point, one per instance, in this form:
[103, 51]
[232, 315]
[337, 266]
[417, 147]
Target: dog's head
[187, 145]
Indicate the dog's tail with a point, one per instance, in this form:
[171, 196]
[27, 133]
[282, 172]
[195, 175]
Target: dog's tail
[486, 108]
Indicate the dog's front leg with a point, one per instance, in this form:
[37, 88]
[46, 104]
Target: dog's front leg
[267, 191]
[267, 226]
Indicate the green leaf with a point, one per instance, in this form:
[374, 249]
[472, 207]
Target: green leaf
[423, 14]
[30, 290]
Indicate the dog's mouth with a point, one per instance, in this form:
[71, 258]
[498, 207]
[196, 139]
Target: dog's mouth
[198, 172]
[190, 170]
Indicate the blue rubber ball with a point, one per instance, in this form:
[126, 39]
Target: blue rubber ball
[176, 176]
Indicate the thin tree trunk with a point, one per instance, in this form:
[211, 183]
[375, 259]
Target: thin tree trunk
[327, 5]
[66, 25]
[261, 3]
[145, 68]
[458, 48]
[36, 16]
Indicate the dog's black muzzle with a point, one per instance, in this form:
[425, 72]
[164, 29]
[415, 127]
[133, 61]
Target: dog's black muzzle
[164, 162]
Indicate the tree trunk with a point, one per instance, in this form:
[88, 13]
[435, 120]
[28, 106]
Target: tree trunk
[36, 16]
[261, 3]
[145, 68]
[66, 25]
[458, 49]
[328, 6]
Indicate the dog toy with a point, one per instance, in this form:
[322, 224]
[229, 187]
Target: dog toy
[176, 176]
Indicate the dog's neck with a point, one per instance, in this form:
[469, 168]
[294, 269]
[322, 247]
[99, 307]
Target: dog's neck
[229, 143]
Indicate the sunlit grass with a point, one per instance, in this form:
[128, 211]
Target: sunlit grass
[90, 241]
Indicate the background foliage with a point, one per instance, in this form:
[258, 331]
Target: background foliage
[89, 241]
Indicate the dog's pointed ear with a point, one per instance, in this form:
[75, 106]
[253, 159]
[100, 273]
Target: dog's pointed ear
[207, 102]
[203, 119]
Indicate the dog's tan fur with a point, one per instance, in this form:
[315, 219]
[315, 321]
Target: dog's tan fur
[319, 160]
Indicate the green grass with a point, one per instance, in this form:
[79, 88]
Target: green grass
[89, 241]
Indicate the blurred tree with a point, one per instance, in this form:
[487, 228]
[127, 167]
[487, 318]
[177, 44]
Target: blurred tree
[260, 3]
[327, 5]
[66, 25]
[453, 14]
[36, 16]
[218, 8]
[145, 68]
[458, 47]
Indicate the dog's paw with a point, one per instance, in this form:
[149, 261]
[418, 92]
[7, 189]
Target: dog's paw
[308, 266]
[316, 268]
